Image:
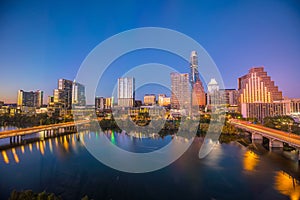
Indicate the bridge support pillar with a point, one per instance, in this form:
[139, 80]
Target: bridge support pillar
[275, 144]
[256, 137]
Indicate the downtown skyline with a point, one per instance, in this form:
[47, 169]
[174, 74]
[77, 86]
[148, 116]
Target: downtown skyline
[235, 39]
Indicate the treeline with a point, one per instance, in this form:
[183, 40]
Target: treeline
[283, 123]
[22, 121]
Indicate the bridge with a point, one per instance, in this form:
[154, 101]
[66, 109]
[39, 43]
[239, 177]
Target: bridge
[51, 130]
[276, 137]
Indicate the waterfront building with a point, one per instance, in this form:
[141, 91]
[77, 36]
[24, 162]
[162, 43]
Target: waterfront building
[181, 95]
[126, 92]
[257, 86]
[78, 94]
[102, 103]
[31, 99]
[290, 107]
[163, 100]
[149, 99]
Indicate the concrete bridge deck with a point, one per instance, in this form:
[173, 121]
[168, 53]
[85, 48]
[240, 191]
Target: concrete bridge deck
[272, 134]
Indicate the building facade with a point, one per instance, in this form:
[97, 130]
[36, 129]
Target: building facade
[30, 99]
[78, 94]
[102, 103]
[163, 100]
[149, 99]
[257, 86]
[198, 93]
[126, 92]
[181, 95]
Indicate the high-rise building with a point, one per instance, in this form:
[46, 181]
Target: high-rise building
[181, 95]
[39, 95]
[30, 99]
[230, 97]
[213, 92]
[126, 92]
[194, 76]
[78, 94]
[149, 99]
[65, 88]
[257, 86]
[198, 93]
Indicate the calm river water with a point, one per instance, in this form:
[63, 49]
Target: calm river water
[231, 171]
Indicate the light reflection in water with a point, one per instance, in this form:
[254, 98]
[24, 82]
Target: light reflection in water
[50, 145]
[13, 150]
[37, 145]
[56, 141]
[22, 149]
[112, 137]
[5, 157]
[42, 148]
[250, 161]
[66, 144]
[287, 185]
[30, 147]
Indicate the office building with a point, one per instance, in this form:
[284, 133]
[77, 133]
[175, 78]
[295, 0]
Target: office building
[149, 99]
[181, 95]
[126, 92]
[30, 99]
[257, 87]
[163, 100]
[198, 93]
[213, 93]
[102, 103]
[78, 94]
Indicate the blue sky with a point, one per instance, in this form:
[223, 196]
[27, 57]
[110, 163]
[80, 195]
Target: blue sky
[42, 41]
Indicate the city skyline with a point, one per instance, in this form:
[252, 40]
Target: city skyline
[267, 37]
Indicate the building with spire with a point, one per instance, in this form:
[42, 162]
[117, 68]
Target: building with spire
[198, 93]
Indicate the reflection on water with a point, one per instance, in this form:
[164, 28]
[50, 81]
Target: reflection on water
[5, 157]
[13, 150]
[287, 185]
[250, 160]
[50, 156]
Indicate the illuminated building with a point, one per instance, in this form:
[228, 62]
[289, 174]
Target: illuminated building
[78, 94]
[277, 108]
[257, 86]
[126, 92]
[102, 103]
[180, 98]
[198, 93]
[163, 100]
[149, 99]
[213, 92]
[30, 99]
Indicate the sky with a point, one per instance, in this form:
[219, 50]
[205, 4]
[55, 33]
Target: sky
[42, 41]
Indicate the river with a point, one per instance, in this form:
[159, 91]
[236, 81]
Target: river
[63, 166]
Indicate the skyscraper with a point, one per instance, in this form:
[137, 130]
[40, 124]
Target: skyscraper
[181, 96]
[63, 94]
[126, 91]
[213, 92]
[198, 93]
[78, 94]
[257, 87]
[194, 76]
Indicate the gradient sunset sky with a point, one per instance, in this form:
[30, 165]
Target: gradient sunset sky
[42, 41]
